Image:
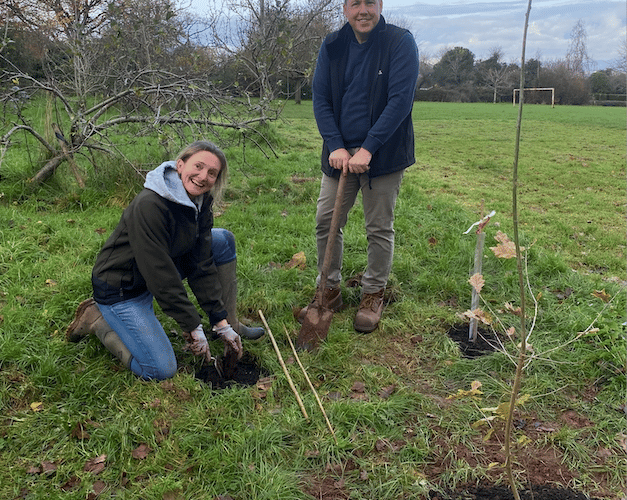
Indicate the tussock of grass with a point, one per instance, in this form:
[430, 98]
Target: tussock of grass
[253, 442]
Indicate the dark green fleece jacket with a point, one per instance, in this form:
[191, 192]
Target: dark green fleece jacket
[161, 238]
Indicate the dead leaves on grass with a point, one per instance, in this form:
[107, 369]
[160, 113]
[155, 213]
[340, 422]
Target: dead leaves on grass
[96, 465]
[473, 392]
[298, 261]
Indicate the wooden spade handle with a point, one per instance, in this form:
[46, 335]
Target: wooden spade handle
[335, 222]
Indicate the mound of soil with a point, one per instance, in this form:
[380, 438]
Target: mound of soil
[245, 372]
[484, 344]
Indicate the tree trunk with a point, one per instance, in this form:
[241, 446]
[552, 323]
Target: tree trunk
[48, 170]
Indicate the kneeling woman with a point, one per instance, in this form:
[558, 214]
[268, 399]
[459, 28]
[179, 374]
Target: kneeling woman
[164, 236]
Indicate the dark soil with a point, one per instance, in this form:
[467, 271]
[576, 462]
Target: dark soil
[245, 372]
[489, 492]
[485, 342]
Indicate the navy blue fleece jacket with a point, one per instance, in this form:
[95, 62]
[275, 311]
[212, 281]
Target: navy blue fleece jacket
[374, 96]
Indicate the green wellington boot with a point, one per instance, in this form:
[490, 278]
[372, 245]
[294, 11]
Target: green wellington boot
[228, 279]
[88, 319]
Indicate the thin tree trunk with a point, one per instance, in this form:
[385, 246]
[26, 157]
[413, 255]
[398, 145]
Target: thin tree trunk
[521, 280]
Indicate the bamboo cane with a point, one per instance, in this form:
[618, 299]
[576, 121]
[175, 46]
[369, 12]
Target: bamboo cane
[313, 389]
[287, 374]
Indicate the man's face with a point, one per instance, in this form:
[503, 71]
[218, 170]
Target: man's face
[363, 16]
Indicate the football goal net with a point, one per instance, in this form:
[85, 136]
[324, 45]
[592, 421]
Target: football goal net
[552, 89]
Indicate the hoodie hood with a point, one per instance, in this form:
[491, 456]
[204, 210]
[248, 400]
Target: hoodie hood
[165, 181]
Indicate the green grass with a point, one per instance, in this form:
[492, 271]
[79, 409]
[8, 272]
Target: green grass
[254, 443]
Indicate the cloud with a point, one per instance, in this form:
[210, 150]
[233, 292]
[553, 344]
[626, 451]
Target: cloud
[482, 26]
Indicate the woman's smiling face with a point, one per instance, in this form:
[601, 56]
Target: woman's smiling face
[199, 172]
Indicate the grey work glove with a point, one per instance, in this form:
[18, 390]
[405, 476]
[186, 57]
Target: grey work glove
[232, 341]
[197, 343]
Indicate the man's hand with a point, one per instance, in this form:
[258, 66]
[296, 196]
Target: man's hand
[232, 341]
[339, 159]
[197, 343]
[360, 161]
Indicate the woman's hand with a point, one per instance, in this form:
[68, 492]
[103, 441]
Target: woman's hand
[232, 341]
[197, 343]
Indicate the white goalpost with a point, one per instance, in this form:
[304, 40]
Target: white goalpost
[552, 89]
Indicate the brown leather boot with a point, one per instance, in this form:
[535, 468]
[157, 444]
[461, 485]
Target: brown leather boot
[332, 299]
[369, 312]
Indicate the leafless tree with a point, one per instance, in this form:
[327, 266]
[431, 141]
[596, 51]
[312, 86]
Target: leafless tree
[495, 73]
[180, 104]
[499, 78]
[271, 39]
[577, 58]
[620, 64]
[95, 98]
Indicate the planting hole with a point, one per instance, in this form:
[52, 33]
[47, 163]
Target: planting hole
[485, 343]
[246, 372]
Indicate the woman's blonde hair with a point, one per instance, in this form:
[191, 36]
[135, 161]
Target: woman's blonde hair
[196, 147]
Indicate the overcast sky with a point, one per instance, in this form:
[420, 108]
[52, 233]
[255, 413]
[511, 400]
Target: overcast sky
[481, 26]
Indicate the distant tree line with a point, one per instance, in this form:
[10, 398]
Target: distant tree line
[459, 77]
[252, 48]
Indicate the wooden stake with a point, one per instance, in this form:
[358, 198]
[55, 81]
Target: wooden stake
[313, 389]
[278, 353]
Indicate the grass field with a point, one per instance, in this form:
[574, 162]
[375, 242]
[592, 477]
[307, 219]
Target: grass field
[73, 424]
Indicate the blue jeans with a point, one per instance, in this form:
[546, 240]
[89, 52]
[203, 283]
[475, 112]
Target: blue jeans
[139, 329]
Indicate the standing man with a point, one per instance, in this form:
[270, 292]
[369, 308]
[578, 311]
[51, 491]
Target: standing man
[363, 92]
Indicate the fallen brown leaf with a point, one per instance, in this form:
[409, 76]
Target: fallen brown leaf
[95, 465]
[70, 483]
[48, 467]
[298, 260]
[99, 487]
[141, 451]
[601, 294]
[79, 432]
[359, 387]
[386, 392]
[37, 406]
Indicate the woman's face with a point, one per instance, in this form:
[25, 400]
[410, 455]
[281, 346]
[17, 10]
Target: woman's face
[199, 173]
